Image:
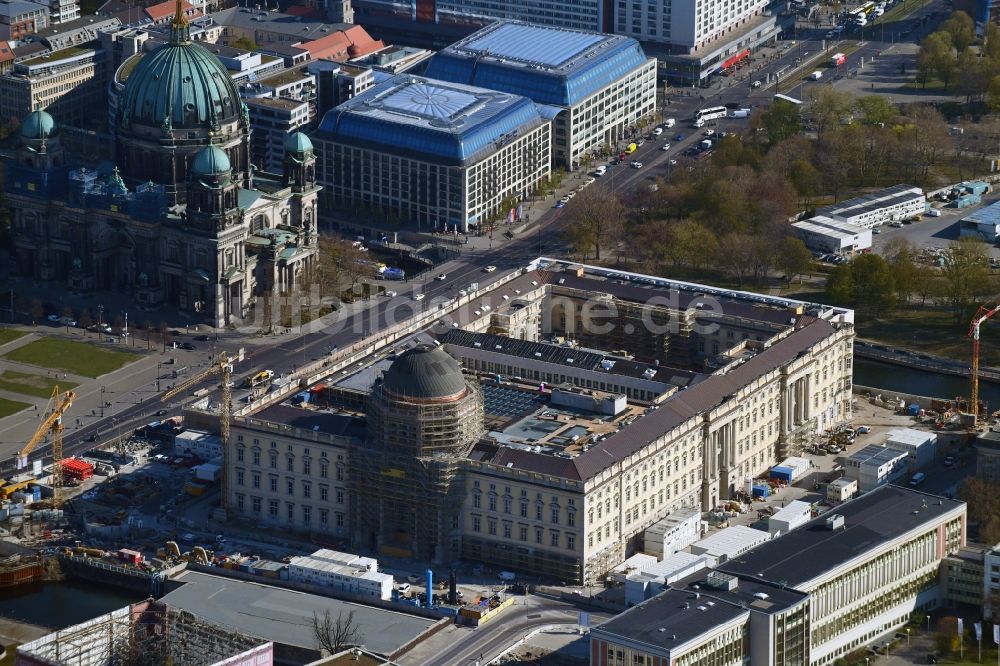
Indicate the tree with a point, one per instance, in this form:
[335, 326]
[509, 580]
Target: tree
[806, 179]
[342, 265]
[991, 42]
[781, 121]
[793, 257]
[966, 272]
[244, 43]
[164, 334]
[36, 311]
[147, 327]
[596, 219]
[962, 30]
[866, 281]
[829, 106]
[119, 324]
[993, 94]
[983, 500]
[335, 634]
[937, 56]
[86, 321]
[876, 109]
[901, 254]
[67, 316]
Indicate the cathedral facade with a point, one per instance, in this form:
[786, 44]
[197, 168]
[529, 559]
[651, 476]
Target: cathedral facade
[180, 218]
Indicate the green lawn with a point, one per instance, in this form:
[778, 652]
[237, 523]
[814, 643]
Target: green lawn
[10, 334]
[29, 384]
[8, 407]
[76, 357]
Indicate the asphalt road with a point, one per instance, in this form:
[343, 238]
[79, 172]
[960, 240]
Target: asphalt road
[287, 353]
[464, 646]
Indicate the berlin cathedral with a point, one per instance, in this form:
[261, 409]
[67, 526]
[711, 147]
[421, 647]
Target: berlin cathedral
[181, 218]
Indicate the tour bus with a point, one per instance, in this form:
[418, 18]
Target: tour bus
[711, 113]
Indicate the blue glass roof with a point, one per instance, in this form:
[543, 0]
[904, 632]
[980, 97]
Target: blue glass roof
[433, 120]
[528, 43]
[555, 66]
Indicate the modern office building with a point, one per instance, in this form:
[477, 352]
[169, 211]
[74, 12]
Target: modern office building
[69, 84]
[592, 86]
[810, 596]
[988, 456]
[892, 204]
[19, 18]
[432, 154]
[280, 104]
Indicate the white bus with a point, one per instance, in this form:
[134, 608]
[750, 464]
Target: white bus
[711, 113]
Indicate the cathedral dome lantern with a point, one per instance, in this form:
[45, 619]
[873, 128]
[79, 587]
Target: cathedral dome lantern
[38, 126]
[173, 102]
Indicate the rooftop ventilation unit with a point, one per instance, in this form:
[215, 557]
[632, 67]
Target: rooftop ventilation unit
[722, 581]
[835, 522]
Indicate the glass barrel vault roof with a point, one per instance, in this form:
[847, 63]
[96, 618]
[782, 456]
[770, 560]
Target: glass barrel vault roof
[555, 66]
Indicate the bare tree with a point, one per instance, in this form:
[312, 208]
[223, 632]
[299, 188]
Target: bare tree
[67, 316]
[596, 218]
[164, 334]
[36, 311]
[86, 321]
[333, 634]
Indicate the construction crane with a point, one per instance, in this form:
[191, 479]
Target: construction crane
[982, 315]
[223, 364]
[58, 404]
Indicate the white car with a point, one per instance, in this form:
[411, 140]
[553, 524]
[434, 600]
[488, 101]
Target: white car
[665, 147]
[54, 318]
[442, 277]
[658, 131]
[390, 294]
[709, 132]
[490, 269]
[418, 297]
[636, 164]
[673, 162]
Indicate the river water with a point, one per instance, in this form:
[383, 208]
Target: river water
[60, 605]
[890, 377]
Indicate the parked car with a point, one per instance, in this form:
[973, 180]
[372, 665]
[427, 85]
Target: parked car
[658, 131]
[949, 461]
[560, 204]
[665, 147]
[186, 345]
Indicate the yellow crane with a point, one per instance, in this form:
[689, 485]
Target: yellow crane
[223, 364]
[58, 404]
[982, 315]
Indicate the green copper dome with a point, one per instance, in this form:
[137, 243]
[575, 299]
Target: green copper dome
[179, 85]
[210, 161]
[38, 125]
[298, 143]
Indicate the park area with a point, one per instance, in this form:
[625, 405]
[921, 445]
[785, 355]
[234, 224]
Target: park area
[67, 356]
[8, 407]
[30, 384]
[9, 335]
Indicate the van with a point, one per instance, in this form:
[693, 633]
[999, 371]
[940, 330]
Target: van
[507, 576]
[816, 76]
[934, 212]
[739, 113]
[917, 479]
[631, 148]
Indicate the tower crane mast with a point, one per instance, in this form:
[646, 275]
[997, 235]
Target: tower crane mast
[982, 315]
[223, 364]
[58, 405]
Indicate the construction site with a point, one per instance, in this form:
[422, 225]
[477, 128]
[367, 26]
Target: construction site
[149, 632]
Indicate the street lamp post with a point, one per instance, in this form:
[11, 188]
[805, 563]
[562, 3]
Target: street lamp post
[158, 364]
[102, 401]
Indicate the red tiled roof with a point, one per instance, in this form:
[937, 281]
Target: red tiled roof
[165, 10]
[351, 43]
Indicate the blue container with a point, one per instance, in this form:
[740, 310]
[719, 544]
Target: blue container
[36, 494]
[761, 490]
[783, 473]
